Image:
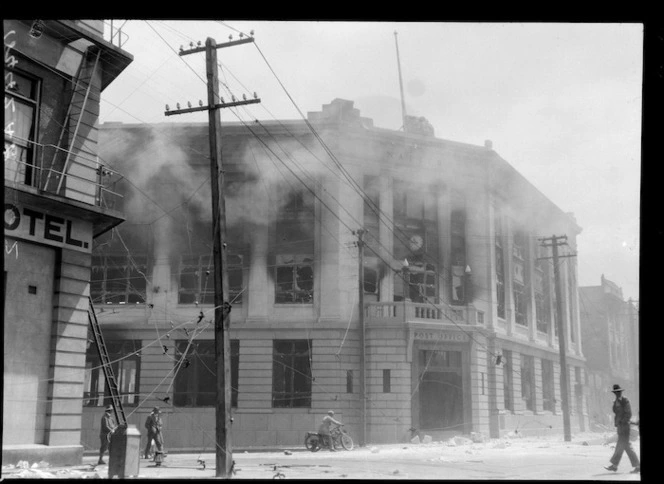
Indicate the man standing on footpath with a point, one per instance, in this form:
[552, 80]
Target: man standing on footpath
[107, 429]
[623, 416]
[153, 424]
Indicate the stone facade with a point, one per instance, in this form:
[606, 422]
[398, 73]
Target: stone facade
[446, 291]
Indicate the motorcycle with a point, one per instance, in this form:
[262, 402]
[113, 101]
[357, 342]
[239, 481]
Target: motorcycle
[340, 438]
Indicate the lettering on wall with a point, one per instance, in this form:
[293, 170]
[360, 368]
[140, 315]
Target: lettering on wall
[37, 225]
[10, 61]
[441, 336]
[11, 248]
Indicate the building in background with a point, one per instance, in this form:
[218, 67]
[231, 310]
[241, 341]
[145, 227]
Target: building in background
[610, 331]
[55, 206]
[458, 292]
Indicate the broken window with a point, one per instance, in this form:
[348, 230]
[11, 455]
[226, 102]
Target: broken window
[118, 279]
[422, 282]
[528, 381]
[196, 280]
[542, 294]
[519, 251]
[125, 363]
[291, 373]
[500, 264]
[458, 253]
[370, 281]
[294, 279]
[548, 388]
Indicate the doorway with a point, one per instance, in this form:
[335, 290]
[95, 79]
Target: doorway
[441, 391]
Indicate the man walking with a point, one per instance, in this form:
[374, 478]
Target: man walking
[153, 424]
[623, 416]
[108, 426]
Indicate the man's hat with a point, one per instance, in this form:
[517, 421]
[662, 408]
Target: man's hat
[155, 410]
[616, 388]
[330, 412]
[109, 408]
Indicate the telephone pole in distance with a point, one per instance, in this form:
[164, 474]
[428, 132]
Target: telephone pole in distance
[222, 308]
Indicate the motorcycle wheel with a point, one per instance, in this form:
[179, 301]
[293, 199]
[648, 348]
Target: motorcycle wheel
[311, 443]
[346, 441]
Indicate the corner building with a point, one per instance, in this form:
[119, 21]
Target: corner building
[56, 194]
[458, 308]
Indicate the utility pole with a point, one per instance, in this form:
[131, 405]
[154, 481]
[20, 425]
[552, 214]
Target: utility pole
[564, 383]
[222, 308]
[363, 384]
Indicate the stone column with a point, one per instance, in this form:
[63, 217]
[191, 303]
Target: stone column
[385, 228]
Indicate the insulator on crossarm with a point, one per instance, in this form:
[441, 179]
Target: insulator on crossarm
[168, 108]
[244, 96]
[181, 48]
[241, 35]
[251, 33]
[233, 98]
[191, 44]
[199, 43]
[255, 95]
[222, 100]
[230, 37]
[200, 103]
[188, 104]
[177, 105]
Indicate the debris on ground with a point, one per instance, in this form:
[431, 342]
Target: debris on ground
[415, 440]
[396, 471]
[459, 440]
[477, 437]
[427, 439]
[288, 452]
[375, 450]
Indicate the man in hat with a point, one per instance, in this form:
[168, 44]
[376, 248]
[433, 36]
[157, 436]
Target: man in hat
[108, 426]
[623, 416]
[324, 429]
[153, 424]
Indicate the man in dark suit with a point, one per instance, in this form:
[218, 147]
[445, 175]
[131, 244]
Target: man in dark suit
[623, 417]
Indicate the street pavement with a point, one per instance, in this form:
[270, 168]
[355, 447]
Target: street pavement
[543, 458]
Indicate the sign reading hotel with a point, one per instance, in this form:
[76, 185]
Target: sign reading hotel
[37, 225]
[452, 337]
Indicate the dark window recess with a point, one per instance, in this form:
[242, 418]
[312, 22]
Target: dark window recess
[528, 381]
[126, 364]
[458, 251]
[195, 381]
[519, 252]
[294, 279]
[291, 374]
[508, 388]
[548, 388]
[370, 281]
[500, 266]
[32, 289]
[349, 381]
[387, 383]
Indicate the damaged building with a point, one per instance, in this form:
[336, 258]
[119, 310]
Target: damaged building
[611, 334]
[457, 326]
[55, 207]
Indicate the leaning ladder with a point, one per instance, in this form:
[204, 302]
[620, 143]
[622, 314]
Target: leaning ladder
[111, 382]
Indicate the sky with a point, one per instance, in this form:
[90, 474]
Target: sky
[561, 102]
